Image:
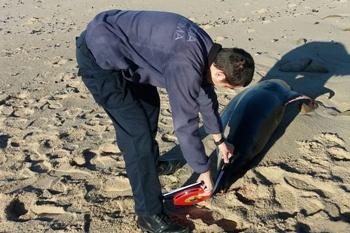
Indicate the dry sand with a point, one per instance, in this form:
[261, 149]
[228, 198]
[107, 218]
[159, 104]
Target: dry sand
[60, 170]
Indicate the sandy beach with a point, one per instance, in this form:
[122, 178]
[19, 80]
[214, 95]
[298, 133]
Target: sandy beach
[60, 167]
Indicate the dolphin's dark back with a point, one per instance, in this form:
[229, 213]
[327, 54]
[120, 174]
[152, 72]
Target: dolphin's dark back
[250, 119]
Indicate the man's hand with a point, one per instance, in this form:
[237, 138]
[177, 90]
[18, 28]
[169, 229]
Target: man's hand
[226, 149]
[208, 184]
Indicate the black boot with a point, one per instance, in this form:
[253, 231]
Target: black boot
[168, 167]
[160, 223]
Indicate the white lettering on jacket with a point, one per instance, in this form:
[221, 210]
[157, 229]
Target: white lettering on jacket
[181, 33]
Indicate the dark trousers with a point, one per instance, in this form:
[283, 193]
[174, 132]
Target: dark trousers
[134, 111]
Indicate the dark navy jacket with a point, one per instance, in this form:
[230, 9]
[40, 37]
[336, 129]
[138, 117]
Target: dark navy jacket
[165, 50]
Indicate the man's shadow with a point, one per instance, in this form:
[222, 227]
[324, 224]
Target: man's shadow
[306, 69]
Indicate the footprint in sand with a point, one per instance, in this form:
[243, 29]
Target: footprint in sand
[309, 183]
[17, 105]
[286, 197]
[115, 186]
[107, 159]
[24, 207]
[9, 186]
[327, 145]
[71, 172]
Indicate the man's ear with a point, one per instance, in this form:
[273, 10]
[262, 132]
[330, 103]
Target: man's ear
[219, 76]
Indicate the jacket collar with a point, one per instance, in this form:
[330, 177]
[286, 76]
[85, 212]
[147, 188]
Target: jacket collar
[215, 49]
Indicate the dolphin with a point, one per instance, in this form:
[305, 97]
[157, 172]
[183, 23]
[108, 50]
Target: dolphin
[250, 119]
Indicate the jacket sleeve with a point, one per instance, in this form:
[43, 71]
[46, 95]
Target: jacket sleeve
[183, 84]
[209, 107]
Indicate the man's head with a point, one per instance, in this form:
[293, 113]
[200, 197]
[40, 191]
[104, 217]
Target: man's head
[232, 67]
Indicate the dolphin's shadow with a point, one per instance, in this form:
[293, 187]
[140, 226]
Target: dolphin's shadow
[307, 68]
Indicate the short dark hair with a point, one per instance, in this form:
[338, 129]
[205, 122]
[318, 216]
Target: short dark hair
[237, 64]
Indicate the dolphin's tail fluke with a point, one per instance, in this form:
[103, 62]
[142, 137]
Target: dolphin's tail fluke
[301, 97]
[305, 108]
